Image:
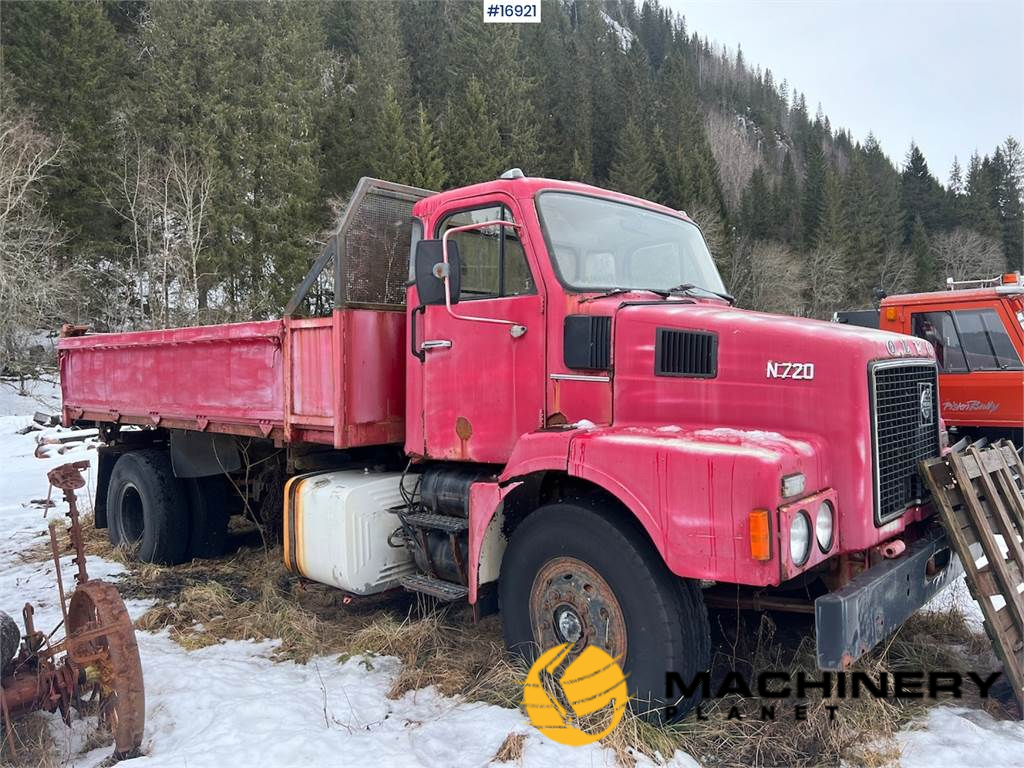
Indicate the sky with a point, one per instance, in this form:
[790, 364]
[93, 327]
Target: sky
[947, 75]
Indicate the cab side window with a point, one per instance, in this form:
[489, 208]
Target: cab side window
[938, 329]
[985, 341]
[493, 260]
[968, 340]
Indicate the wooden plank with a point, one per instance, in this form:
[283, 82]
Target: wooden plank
[1010, 488]
[988, 541]
[991, 504]
[1002, 518]
[985, 573]
[991, 459]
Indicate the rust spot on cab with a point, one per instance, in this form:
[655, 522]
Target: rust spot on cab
[464, 429]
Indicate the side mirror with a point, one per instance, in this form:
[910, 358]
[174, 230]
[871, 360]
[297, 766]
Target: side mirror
[429, 271]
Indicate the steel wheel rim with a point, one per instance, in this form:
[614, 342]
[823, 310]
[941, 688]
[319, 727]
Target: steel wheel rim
[567, 596]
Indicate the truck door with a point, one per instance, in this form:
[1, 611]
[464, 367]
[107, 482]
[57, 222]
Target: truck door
[482, 382]
[981, 380]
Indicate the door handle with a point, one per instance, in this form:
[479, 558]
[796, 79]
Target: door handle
[416, 351]
[435, 344]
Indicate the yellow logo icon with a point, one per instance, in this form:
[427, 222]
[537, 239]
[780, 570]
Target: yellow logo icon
[591, 688]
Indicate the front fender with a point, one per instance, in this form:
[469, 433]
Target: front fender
[691, 490]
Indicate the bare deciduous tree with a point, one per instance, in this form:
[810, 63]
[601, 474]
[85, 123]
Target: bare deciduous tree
[766, 276]
[824, 283]
[33, 286]
[735, 154]
[964, 254]
[165, 201]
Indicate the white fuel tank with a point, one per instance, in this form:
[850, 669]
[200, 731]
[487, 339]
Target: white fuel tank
[336, 529]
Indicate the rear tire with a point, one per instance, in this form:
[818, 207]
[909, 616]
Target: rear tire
[569, 557]
[208, 502]
[147, 507]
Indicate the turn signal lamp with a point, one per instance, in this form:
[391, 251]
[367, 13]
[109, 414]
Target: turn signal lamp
[760, 535]
[890, 313]
[1011, 278]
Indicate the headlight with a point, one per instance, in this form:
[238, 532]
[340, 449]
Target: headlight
[800, 538]
[824, 526]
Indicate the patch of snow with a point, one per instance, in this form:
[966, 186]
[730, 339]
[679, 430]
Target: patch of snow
[625, 36]
[755, 435]
[24, 400]
[582, 424]
[955, 736]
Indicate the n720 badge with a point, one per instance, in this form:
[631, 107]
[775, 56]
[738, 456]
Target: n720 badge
[796, 371]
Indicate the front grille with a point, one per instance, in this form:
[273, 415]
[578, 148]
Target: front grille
[904, 398]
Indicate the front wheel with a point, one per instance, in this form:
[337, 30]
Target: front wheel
[572, 574]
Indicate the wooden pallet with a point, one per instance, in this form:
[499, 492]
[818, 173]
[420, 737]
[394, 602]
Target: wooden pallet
[980, 495]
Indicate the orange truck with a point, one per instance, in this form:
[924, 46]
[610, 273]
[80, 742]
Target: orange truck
[977, 330]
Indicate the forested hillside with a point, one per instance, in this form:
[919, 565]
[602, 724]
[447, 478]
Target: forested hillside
[176, 162]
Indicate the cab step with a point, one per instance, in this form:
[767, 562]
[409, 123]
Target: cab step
[446, 591]
[445, 523]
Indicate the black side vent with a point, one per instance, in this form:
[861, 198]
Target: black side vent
[587, 342]
[686, 353]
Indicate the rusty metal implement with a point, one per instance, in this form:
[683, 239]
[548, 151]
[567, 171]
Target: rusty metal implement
[95, 669]
[980, 496]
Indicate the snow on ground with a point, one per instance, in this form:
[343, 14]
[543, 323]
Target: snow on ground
[230, 704]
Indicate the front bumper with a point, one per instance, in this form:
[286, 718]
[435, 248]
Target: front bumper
[854, 619]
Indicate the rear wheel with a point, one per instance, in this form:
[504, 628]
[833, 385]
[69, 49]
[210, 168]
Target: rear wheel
[147, 508]
[208, 503]
[572, 574]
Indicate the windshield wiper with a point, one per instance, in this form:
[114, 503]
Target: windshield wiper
[617, 291]
[690, 287]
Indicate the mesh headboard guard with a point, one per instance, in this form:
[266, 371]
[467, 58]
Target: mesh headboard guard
[370, 248]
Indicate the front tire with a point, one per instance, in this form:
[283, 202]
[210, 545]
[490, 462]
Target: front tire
[573, 574]
[147, 508]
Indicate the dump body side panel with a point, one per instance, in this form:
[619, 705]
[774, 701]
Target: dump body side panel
[335, 380]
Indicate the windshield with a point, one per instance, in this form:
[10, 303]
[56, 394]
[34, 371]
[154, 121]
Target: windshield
[600, 244]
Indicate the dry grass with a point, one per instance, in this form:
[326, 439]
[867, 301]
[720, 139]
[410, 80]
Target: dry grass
[33, 744]
[511, 749]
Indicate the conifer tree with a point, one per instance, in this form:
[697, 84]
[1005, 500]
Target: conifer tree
[391, 152]
[471, 142]
[632, 172]
[832, 232]
[67, 64]
[757, 216]
[813, 192]
[922, 257]
[1008, 176]
[426, 169]
[787, 203]
[921, 195]
[978, 208]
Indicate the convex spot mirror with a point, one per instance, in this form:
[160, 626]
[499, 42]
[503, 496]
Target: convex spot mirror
[430, 270]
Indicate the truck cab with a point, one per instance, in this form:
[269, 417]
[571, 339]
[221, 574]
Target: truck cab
[977, 331]
[538, 393]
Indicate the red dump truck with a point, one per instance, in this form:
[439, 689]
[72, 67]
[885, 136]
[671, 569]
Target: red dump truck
[537, 391]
